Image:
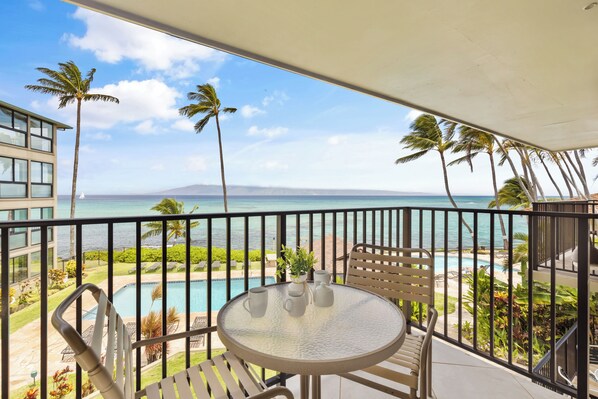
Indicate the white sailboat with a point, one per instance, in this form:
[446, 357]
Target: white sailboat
[82, 196]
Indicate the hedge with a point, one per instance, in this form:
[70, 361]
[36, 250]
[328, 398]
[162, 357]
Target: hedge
[174, 254]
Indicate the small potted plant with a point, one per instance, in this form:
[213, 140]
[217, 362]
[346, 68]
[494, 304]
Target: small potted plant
[298, 264]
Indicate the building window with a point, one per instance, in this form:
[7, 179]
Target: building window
[42, 175]
[42, 134]
[13, 178]
[41, 214]
[13, 127]
[17, 235]
[17, 269]
[35, 266]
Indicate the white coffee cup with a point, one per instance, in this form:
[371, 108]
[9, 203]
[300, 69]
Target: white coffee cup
[322, 277]
[295, 305]
[256, 302]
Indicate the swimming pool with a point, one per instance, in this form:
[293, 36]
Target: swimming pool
[453, 262]
[124, 298]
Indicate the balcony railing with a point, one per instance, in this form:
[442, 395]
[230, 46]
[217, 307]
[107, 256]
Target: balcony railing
[489, 303]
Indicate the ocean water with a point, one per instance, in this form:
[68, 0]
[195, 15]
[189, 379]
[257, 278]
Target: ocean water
[95, 236]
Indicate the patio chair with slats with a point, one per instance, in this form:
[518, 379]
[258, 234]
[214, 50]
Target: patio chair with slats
[402, 275]
[223, 376]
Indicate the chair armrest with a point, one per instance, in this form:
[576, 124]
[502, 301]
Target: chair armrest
[172, 337]
[272, 393]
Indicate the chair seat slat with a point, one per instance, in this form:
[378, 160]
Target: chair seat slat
[153, 391]
[212, 379]
[197, 382]
[240, 370]
[228, 378]
[167, 385]
[182, 385]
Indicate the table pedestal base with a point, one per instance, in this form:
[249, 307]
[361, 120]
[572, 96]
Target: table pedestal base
[315, 387]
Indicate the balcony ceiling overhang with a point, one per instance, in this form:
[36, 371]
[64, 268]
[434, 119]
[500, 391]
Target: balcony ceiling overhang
[521, 69]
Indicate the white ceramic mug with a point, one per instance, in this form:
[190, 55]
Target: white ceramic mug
[256, 302]
[295, 305]
[322, 277]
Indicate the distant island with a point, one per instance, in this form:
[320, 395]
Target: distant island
[210, 189]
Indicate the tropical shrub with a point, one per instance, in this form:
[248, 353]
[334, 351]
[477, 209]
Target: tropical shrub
[175, 253]
[56, 277]
[61, 386]
[71, 268]
[11, 295]
[31, 393]
[87, 388]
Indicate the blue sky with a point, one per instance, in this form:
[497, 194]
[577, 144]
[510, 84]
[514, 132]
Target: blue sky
[289, 130]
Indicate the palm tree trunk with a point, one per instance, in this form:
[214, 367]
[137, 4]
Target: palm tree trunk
[448, 191]
[222, 166]
[580, 176]
[75, 172]
[533, 174]
[582, 172]
[514, 169]
[495, 186]
[571, 176]
[550, 175]
[557, 161]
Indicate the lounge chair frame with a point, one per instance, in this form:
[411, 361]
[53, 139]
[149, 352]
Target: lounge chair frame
[114, 377]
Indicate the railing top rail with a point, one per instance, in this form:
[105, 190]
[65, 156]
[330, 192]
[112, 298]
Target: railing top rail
[222, 215]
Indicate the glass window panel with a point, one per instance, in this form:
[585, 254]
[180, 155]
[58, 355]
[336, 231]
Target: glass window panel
[5, 215]
[38, 143]
[11, 137]
[36, 172]
[48, 175]
[20, 170]
[36, 237]
[20, 214]
[41, 191]
[35, 126]
[5, 117]
[47, 213]
[19, 264]
[48, 130]
[20, 122]
[5, 169]
[35, 213]
[17, 240]
[13, 190]
[35, 265]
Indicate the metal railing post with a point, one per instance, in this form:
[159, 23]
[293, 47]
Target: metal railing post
[583, 309]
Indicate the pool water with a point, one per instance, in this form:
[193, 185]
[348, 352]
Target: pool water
[124, 298]
[453, 262]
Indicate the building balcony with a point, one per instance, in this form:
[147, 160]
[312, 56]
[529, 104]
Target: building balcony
[489, 300]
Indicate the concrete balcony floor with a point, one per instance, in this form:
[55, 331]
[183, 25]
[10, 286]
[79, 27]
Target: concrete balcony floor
[455, 374]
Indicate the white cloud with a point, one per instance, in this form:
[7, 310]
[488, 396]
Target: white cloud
[100, 136]
[139, 101]
[146, 127]
[277, 97]
[215, 81]
[249, 111]
[413, 115]
[267, 132]
[196, 164]
[336, 140]
[36, 5]
[157, 167]
[275, 165]
[35, 105]
[112, 40]
[184, 125]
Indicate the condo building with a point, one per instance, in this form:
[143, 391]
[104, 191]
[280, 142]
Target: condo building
[27, 184]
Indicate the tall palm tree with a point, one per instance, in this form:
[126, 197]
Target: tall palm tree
[175, 228]
[70, 87]
[512, 194]
[429, 134]
[474, 142]
[208, 104]
[505, 146]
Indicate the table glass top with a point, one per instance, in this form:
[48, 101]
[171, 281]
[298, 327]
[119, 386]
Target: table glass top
[358, 323]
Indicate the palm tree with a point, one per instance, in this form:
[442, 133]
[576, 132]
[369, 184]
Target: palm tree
[505, 157]
[70, 87]
[208, 104]
[428, 135]
[175, 228]
[512, 194]
[474, 142]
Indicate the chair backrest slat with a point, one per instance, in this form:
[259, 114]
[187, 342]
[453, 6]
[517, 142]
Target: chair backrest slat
[98, 331]
[110, 341]
[397, 273]
[119, 353]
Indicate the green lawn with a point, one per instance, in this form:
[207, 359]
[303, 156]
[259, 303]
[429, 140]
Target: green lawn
[439, 303]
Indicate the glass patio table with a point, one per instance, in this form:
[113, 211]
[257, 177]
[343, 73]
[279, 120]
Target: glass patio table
[359, 330]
